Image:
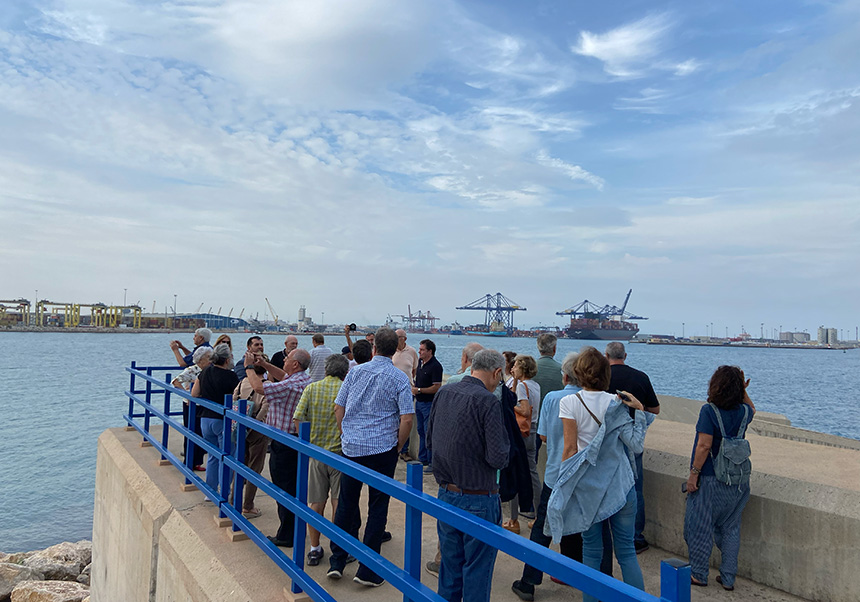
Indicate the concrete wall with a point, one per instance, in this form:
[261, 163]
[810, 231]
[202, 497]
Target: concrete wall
[801, 528]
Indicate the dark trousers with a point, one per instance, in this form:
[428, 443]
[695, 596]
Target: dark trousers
[283, 467]
[638, 537]
[571, 545]
[348, 515]
[422, 414]
[198, 451]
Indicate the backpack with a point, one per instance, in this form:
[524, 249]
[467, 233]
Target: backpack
[732, 464]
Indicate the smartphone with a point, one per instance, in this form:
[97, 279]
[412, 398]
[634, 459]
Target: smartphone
[684, 487]
[622, 396]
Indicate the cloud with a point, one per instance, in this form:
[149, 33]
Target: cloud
[574, 172]
[625, 50]
[690, 201]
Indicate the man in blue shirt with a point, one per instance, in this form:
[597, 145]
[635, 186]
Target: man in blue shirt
[201, 339]
[551, 432]
[374, 411]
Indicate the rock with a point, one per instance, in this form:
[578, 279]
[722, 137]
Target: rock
[11, 574]
[15, 558]
[62, 562]
[84, 577]
[49, 591]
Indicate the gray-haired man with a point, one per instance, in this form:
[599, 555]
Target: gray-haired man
[201, 339]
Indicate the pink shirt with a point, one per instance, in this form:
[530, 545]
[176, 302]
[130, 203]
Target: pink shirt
[407, 361]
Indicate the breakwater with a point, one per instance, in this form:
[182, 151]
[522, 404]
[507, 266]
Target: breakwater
[60, 572]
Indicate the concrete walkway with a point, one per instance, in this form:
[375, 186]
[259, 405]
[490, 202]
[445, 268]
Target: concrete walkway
[262, 580]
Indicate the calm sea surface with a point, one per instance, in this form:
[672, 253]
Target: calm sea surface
[58, 392]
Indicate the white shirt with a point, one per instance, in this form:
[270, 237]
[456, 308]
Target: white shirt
[586, 426]
[528, 389]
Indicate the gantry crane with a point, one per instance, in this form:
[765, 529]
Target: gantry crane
[499, 311]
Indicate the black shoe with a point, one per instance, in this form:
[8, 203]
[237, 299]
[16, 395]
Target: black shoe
[314, 557]
[334, 573]
[350, 559]
[728, 588]
[525, 591]
[641, 546]
[386, 536]
[367, 583]
[281, 543]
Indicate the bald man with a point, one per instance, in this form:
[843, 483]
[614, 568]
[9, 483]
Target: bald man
[290, 343]
[405, 358]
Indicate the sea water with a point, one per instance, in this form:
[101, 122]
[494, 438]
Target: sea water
[59, 391]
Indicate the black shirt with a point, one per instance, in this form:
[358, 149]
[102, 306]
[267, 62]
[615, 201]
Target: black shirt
[215, 383]
[466, 434]
[625, 378]
[278, 359]
[428, 375]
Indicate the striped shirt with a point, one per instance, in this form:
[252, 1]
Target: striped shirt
[374, 396]
[317, 407]
[283, 397]
[316, 370]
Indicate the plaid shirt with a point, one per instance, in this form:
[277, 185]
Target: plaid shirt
[317, 407]
[283, 397]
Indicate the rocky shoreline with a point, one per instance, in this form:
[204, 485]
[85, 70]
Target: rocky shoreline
[60, 573]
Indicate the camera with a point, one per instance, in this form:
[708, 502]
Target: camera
[353, 327]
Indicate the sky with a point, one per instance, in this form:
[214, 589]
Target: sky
[361, 157]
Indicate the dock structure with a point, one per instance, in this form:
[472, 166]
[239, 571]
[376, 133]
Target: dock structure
[498, 311]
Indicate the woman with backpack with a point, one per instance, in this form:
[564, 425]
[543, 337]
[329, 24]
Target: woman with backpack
[718, 486]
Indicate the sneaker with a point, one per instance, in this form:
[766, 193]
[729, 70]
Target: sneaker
[358, 579]
[350, 559]
[334, 573]
[432, 567]
[428, 469]
[249, 514]
[386, 536]
[525, 591]
[314, 557]
[641, 546]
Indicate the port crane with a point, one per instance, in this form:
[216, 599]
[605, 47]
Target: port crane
[589, 310]
[499, 311]
[420, 321]
[274, 313]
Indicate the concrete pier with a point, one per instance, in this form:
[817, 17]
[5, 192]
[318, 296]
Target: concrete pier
[800, 538]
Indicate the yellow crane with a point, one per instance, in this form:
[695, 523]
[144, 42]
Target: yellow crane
[241, 313]
[199, 308]
[274, 313]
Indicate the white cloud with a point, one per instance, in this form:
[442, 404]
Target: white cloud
[574, 172]
[625, 50]
[690, 201]
[687, 67]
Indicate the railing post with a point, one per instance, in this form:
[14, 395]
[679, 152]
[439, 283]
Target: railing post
[675, 580]
[146, 415]
[189, 449]
[239, 455]
[131, 390]
[165, 428]
[226, 447]
[412, 546]
[302, 497]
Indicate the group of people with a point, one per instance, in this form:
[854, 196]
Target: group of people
[479, 436]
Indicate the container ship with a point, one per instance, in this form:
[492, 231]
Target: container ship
[602, 323]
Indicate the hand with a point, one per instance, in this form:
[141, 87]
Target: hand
[631, 401]
[415, 390]
[250, 358]
[174, 345]
[692, 483]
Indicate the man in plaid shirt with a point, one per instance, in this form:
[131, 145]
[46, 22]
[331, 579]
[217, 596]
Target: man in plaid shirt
[317, 407]
[283, 396]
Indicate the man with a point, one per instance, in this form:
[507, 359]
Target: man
[469, 445]
[374, 410]
[551, 432]
[202, 336]
[282, 397]
[317, 407]
[466, 359]
[625, 378]
[428, 379]
[362, 352]
[405, 358]
[290, 343]
[319, 353]
[255, 346]
[549, 371]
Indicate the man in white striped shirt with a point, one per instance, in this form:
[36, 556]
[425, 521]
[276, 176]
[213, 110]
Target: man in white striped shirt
[319, 353]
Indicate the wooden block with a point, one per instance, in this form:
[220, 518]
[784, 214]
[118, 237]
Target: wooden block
[188, 487]
[291, 597]
[165, 462]
[236, 535]
[145, 443]
[130, 428]
[223, 522]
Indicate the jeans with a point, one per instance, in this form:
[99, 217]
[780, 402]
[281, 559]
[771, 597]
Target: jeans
[283, 468]
[571, 545]
[466, 572]
[348, 515]
[622, 524]
[213, 432]
[422, 414]
[640, 502]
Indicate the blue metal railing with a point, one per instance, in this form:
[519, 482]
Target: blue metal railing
[674, 574]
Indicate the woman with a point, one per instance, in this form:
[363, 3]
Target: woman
[226, 340]
[714, 508]
[600, 489]
[255, 441]
[528, 409]
[213, 384]
[186, 379]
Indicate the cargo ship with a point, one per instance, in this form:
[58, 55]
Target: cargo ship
[601, 323]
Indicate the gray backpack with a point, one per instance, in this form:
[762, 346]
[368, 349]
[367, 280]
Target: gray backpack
[732, 464]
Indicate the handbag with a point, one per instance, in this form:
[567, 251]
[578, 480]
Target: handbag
[524, 422]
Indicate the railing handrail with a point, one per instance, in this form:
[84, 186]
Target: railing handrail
[548, 561]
